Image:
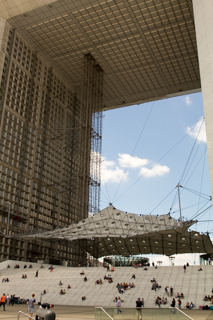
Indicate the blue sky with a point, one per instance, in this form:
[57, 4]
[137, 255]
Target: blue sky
[148, 149]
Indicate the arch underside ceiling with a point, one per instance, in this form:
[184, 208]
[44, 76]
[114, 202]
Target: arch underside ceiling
[147, 49]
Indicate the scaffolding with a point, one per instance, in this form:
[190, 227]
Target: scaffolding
[92, 97]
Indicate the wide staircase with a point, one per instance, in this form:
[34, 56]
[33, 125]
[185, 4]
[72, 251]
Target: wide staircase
[193, 283]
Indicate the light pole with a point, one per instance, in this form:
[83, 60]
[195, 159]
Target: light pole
[8, 219]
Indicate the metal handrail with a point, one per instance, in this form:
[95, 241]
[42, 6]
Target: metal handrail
[183, 313]
[169, 308]
[104, 312]
[27, 315]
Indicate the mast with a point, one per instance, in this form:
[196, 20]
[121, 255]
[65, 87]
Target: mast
[178, 186]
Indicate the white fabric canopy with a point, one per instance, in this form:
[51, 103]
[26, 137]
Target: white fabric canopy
[114, 232]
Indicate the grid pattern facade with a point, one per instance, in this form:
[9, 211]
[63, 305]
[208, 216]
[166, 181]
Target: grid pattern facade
[45, 142]
[147, 49]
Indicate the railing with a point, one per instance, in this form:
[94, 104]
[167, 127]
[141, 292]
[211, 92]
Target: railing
[155, 313]
[104, 312]
[184, 313]
[24, 315]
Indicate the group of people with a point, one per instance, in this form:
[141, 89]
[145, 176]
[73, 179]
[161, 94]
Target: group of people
[190, 305]
[180, 295]
[139, 265]
[184, 267]
[109, 278]
[121, 288]
[62, 291]
[169, 291]
[139, 306]
[17, 266]
[6, 298]
[25, 266]
[98, 281]
[124, 286]
[208, 298]
[24, 276]
[160, 301]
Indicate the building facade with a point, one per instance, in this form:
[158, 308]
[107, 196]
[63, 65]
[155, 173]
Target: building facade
[47, 133]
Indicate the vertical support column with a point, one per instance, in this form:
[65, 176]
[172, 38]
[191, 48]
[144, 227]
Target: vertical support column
[203, 13]
[92, 100]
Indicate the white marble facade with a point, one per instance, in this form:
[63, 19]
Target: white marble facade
[203, 15]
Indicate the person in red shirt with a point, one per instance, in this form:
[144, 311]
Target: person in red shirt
[3, 301]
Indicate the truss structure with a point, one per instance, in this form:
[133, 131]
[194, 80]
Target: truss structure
[113, 232]
[92, 98]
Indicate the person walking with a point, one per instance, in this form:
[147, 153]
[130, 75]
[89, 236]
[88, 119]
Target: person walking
[142, 300]
[31, 303]
[118, 305]
[3, 301]
[184, 268]
[179, 303]
[139, 305]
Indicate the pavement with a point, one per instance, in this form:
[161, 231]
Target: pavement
[88, 313]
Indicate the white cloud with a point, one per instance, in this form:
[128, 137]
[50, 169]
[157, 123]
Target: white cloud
[187, 100]
[198, 132]
[156, 170]
[111, 173]
[126, 160]
[106, 163]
